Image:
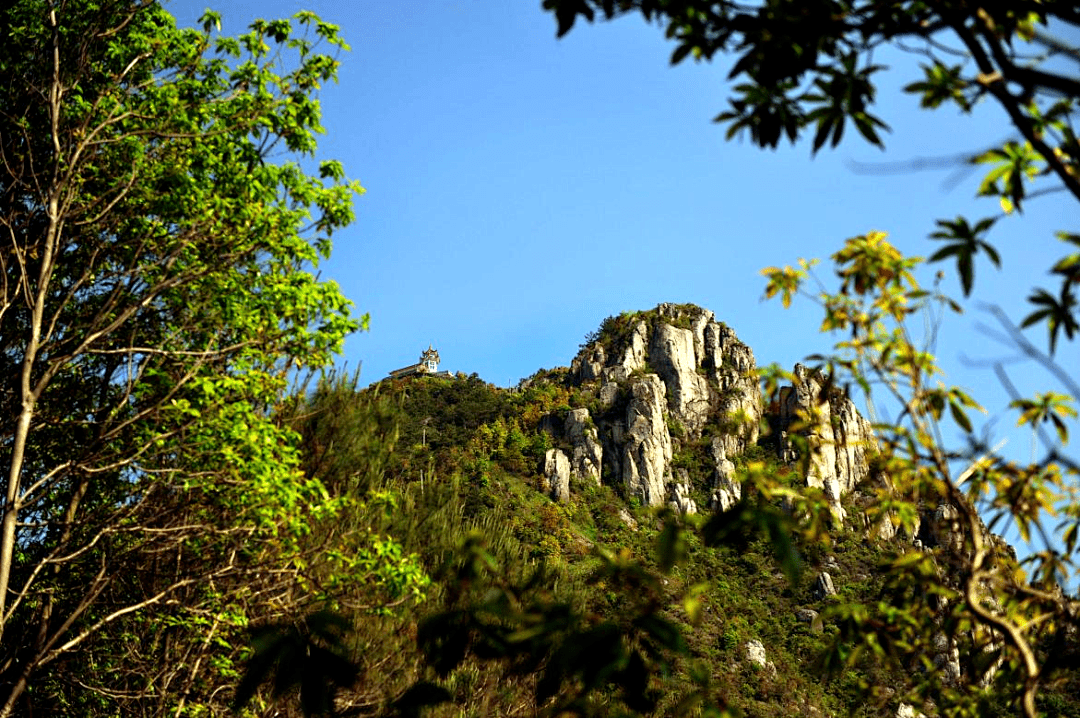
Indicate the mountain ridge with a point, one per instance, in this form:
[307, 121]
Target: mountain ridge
[657, 421]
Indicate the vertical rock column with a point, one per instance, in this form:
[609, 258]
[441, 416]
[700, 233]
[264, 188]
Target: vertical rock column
[671, 353]
[646, 453]
[588, 453]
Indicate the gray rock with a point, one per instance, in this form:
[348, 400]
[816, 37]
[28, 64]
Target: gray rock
[908, 711]
[646, 454]
[755, 652]
[671, 354]
[615, 374]
[680, 500]
[634, 354]
[557, 474]
[823, 587]
[589, 363]
[609, 393]
[731, 365]
[945, 528]
[839, 438]
[704, 376]
[947, 658]
[588, 453]
[726, 488]
[809, 617]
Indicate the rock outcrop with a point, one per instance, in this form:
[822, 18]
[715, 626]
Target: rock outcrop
[823, 586]
[835, 441]
[557, 474]
[681, 501]
[646, 450]
[726, 487]
[672, 355]
[588, 454]
[676, 370]
[674, 380]
[731, 366]
[755, 653]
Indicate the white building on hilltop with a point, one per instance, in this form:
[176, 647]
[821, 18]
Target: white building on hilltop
[427, 366]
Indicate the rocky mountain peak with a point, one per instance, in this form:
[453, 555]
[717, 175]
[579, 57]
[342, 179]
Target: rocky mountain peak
[675, 400]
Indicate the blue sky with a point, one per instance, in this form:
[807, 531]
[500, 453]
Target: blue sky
[521, 188]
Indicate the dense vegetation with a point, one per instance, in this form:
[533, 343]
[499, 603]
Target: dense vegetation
[806, 71]
[184, 532]
[595, 606]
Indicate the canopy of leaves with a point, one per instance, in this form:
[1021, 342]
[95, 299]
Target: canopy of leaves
[160, 234]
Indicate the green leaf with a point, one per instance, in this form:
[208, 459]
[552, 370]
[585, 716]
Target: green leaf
[960, 416]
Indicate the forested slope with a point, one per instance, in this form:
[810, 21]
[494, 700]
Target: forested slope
[600, 540]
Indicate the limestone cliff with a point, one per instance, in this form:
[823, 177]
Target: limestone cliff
[661, 379]
[837, 440]
[674, 380]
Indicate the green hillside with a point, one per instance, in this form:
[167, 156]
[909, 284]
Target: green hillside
[591, 601]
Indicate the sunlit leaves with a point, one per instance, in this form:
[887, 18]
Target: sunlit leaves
[878, 293]
[934, 402]
[785, 282]
[868, 263]
[1015, 164]
[1069, 265]
[182, 299]
[1048, 407]
[942, 83]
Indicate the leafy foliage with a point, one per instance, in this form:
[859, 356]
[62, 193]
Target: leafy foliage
[986, 606]
[809, 66]
[157, 296]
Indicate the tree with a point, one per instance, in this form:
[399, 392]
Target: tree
[806, 69]
[159, 228]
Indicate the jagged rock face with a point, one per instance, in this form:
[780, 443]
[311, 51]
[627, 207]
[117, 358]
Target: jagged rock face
[646, 452]
[882, 528]
[557, 474]
[681, 500]
[677, 366]
[838, 438]
[588, 453]
[726, 488]
[588, 364]
[703, 375]
[943, 528]
[634, 354]
[947, 658]
[731, 365]
[672, 355]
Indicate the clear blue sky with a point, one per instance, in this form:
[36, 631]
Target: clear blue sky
[522, 188]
